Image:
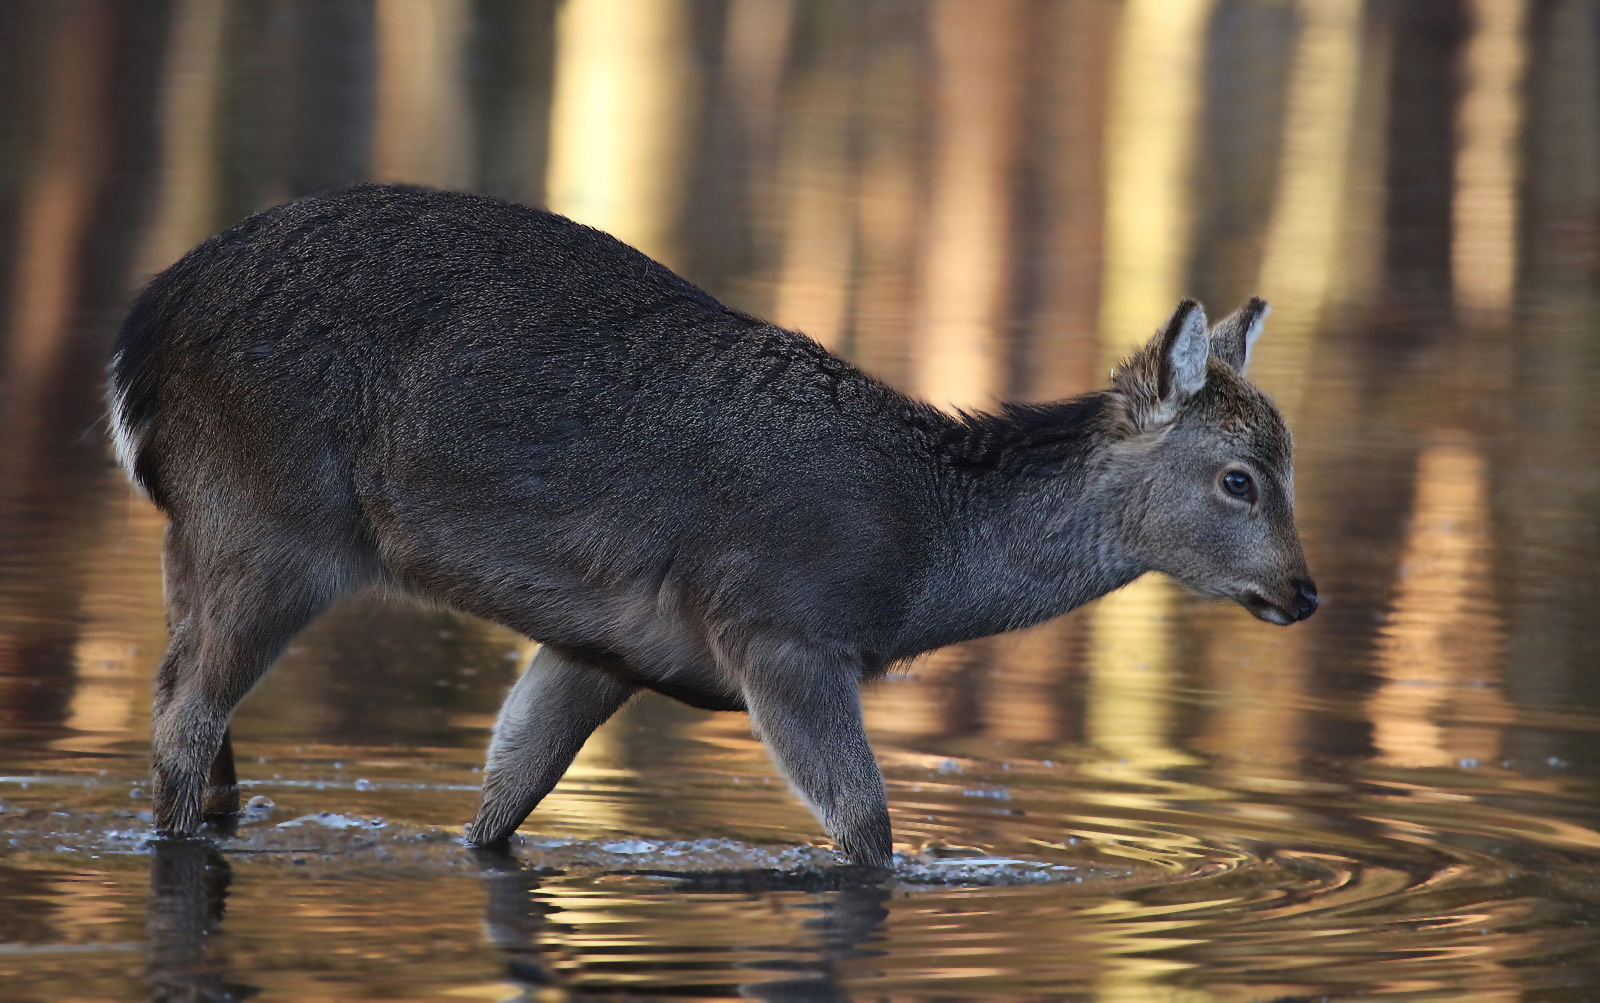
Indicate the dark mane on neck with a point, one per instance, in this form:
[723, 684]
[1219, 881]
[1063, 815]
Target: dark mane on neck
[1025, 439]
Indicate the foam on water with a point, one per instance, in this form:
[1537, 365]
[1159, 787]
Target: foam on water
[352, 841]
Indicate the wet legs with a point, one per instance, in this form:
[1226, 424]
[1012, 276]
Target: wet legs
[809, 715]
[546, 718]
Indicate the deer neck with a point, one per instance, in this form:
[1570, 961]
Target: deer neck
[1032, 525]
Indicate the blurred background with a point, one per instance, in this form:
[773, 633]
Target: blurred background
[975, 201]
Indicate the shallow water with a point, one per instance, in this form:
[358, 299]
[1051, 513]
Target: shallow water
[1153, 798]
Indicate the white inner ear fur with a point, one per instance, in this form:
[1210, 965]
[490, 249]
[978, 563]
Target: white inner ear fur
[1189, 353]
[1252, 334]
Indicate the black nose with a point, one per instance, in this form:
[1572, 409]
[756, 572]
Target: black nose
[1305, 600]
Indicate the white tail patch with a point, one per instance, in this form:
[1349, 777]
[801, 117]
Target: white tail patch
[124, 438]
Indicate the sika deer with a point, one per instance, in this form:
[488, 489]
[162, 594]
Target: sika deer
[503, 411]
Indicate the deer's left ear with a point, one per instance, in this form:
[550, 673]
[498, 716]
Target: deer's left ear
[1169, 370]
[1182, 355]
[1233, 338]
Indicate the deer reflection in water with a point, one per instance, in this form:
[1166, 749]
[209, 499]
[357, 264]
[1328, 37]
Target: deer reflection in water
[521, 918]
[189, 882]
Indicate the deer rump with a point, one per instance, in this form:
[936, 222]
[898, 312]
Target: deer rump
[494, 408]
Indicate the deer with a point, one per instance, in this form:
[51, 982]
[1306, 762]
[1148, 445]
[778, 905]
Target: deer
[495, 409]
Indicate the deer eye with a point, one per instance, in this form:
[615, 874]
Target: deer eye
[1239, 484]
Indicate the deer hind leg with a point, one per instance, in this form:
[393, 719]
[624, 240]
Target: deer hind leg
[548, 715]
[806, 708]
[220, 804]
[230, 612]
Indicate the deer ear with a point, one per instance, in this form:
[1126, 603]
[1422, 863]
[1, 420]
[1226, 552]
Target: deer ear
[1181, 357]
[1167, 371]
[1233, 338]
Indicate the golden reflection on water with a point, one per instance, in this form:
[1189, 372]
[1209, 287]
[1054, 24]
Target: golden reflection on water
[813, 285]
[184, 210]
[57, 208]
[965, 252]
[620, 130]
[422, 133]
[888, 215]
[1022, 703]
[1484, 244]
[1301, 258]
[123, 628]
[1440, 651]
[975, 201]
[1151, 135]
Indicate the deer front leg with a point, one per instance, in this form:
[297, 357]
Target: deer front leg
[807, 710]
[220, 806]
[547, 716]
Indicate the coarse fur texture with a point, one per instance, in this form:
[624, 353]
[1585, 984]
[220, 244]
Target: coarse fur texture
[503, 411]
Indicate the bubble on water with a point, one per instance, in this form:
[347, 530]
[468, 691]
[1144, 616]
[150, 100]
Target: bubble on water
[997, 793]
[137, 792]
[331, 820]
[1468, 763]
[1555, 761]
[949, 766]
[628, 846]
[980, 871]
[363, 784]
